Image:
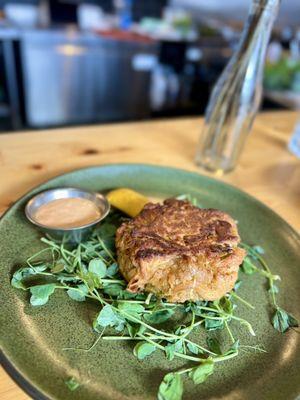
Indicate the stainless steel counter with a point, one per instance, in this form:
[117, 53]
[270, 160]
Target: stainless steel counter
[73, 77]
[9, 33]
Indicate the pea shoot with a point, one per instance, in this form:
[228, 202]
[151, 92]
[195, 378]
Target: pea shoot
[89, 272]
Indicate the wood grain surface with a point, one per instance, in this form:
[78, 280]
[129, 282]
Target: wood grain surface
[266, 170]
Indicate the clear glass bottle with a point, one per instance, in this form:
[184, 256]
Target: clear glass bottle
[236, 96]
[294, 143]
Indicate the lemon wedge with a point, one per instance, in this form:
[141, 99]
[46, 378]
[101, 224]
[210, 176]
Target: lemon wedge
[127, 200]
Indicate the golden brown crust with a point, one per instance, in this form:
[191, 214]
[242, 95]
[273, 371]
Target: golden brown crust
[179, 251]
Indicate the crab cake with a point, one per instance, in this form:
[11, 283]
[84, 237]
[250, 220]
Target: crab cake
[180, 252]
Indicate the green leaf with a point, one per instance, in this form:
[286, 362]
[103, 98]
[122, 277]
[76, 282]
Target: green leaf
[40, 294]
[273, 289]
[258, 249]
[113, 289]
[92, 280]
[282, 320]
[133, 309]
[58, 267]
[72, 384]
[170, 349]
[107, 229]
[201, 373]
[159, 316]
[213, 324]
[108, 317]
[226, 305]
[237, 285]
[181, 330]
[76, 295]
[192, 348]
[171, 388]
[19, 276]
[214, 345]
[143, 349]
[188, 197]
[248, 267]
[112, 270]
[252, 254]
[134, 329]
[128, 295]
[293, 322]
[97, 267]
[179, 346]
[24, 273]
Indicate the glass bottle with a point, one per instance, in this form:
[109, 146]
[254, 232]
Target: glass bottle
[294, 143]
[236, 96]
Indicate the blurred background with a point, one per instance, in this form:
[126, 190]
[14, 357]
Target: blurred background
[71, 62]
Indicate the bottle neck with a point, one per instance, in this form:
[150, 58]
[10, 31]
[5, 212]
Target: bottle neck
[259, 23]
[266, 4]
[262, 10]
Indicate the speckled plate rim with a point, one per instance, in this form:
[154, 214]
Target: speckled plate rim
[8, 366]
[20, 380]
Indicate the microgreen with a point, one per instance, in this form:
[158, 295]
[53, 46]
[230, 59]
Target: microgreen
[159, 316]
[21, 275]
[113, 289]
[40, 294]
[282, 321]
[98, 267]
[213, 322]
[109, 317]
[131, 310]
[171, 387]
[89, 272]
[192, 199]
[176, 347]
[72, 384]
[78, 293]
[193, 348]
[112, 270]
[248, 267]
[259, 249]
[201, 373]
[143, 349]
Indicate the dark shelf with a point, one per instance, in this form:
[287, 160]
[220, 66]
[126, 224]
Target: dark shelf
[4, 110]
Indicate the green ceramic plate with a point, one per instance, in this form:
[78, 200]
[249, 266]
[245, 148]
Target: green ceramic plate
[32, 338]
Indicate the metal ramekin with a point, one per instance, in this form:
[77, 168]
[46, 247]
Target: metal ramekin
[70, 235]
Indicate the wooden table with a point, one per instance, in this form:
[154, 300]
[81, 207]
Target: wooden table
[267, 170]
